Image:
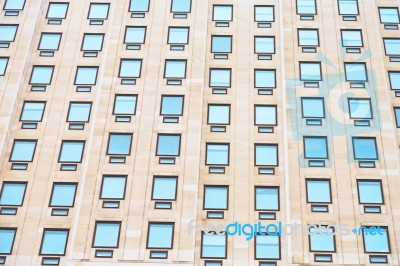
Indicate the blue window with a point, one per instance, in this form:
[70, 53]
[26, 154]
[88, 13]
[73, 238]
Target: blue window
[348, 7]
[3, 65]
[98, 11]
[23, 151]
[264, 13]
[79, 112]
[265, 78]
[71, 151]
[135, 34]
[164, 188]
[389, 15]
[63, 195]
[213, 245]
[322, 239]
[168, 145]
[315, 148]
[119, 144]
[92, 42]
[308, 37]
[221, 44]
[265, 115]
[178, 35]
[175, 69]
[160, 235]
[264, 44]
[352, 38]
[222, 12]
[217, 154]
[313, 107]
[392, 46]
[310, 71]
[376, 241]
[267, 247]
[8, 32]
[32, 111]
[216, 197]
[86, 75]
[218, 114]
[12, 194]
[14, 5]
[54, 242]
[113, 187]
[130, 68]
[365, 148]
[356, 72]
[57, 10]
[220, 77]
[394, 78]
[41, 75]
[7, 236]
[360, 108]
[306, 7]
[267, 198]
[171, 105]
[370, 191]
[50, 41]
[266, 154]
[139, 6]
[125, 104]
[318, 191]
[397, 114]
[180, 6]
[106, 234]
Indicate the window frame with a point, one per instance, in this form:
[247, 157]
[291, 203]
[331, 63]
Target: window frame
[266, 144]
[354, 149]
[397, 116]
[92, 34]
[14, 182]
[388, 7]
[220, 144]
[326, 147]
[358, 181]
[388, 240]
[107, 222]
[223, 36]
[23, 109]
[277, 188]
[384, 45]
[112, 176]
[119, 134]
[57, 3]
[13, 242]
[172, 95]
[50, 33]
[319, 179]
[352, 46]
[315, 7]
[216, 186]
[225, 69]
[213, 11]
[42, 66]
[135, 26]
[313, 98]
[5, 66]
[13, 9]
[307, 29]
[160, 223]
[264, 21]
[264, 70]
[362, 99]
[180, 12]
[138, 11]
[52, 193]
[311, 62]
[265, 37]
[98, 3]
[69, 109]
[279, 247]
[333, 235]
[390, 79]
[15, 34]
[132, 60]
[62, 146]
[84, 84]
[348, 14]
[23, 140]
[169, 134]
[265, 105]
[50, 230]
[355, 63]
[218, 104]
[175, 60]
[178, 27]
[164, 176]
[202, 244]
[115, 102]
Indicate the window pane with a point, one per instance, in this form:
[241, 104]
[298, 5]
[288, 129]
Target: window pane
[180, 6]
[92, 42]
[98, 11]
[264, 13]
[360, 108]
[57, 10]
[50, 41]
[222, 13]
[14, 5]
[267, 247]
[119, 144]
[394, 80]
[71, 151]
[7, 236]
[318, 191]
[306, 7]
[54, 242]
[356, 72]
[164, 188]
[79, 112]
[125, 104]
[267, 198]
[322, 239]
[3, 65]
[265, 115]
[308, 37]
[86, 76]
[221, 44]
[23, 150]
[106, 234]
[392, 46]
[264, 44]
[264, 78]
[315, 147]
[135, 34]
[266, 155]
[397, 114]
[168, 145]
[389, 15]
[175, 69]
[217, 154]
[216, 197]
[178, 35]
[213, 246]
[7, 32]
[365, 148]
[63, 195]
[171, 105]
[218, 114]
[310, 71]
[348, 7]
[113, 187]
[32, 111]
[377, 242]
[313, 107]
[41, 75]
[130, 68]
[139, 5]
[160, 235]
[12, 194]
[352, 38]
[370, 192]
[220, 78]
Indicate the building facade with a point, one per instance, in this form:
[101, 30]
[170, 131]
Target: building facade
[144, 132]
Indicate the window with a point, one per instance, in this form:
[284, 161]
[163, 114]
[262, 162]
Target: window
[139, 6]
[79, 112]
[160, 235]
[175, 69]
[57, 10]
[135, 34]
[221, 44]
[264, 13]
[265, 78]
[389, 15]
[98, 11]
[265, 115]
[113, 187]
[218, 114]
[397, 115]
[106, 234]
[310, 71]
[348, 7]
[164, 188]
[12, 194]
[356, 72]
[312, 107]
[267, 198]
[264, 44]
[86, 75]
[306, 7]
[130, 68]
[168, 145]
[178, 35]
[23, 150]
[370, 191]
[71, 151]
[171, 105]
[360, 108]
[63, 195]
[392, 46]
[322, 239]
[376, 241]
[266, 154]
[364, 148]
[222, 12]
[352, 38]
[213, 245]
[308, 37]
[267, 247]
[54, 242]
[92, 42]
[8, 32]
[217, 154]
[315, 148]
[7, 236]
[119, 144]
[3, 65]
[32, 111]
[318, 191]
[180, 6]
[50, 41]
[14, 5]
[216, 197]
[394, 78]
[125, 104]
[41, 75]
[220, 77]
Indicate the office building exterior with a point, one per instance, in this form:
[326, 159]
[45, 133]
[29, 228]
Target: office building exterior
[134, 132]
